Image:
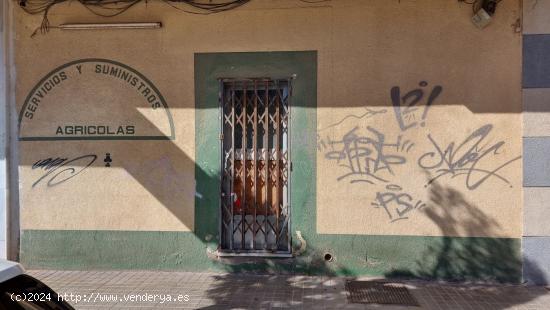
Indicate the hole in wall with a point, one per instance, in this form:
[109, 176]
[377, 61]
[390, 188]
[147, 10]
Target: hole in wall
[328, 257]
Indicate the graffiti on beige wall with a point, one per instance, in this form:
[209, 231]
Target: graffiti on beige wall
[367, 114]
[396, 202]
[61, 169]
[407, 107]
[367, 155]
[473, 158]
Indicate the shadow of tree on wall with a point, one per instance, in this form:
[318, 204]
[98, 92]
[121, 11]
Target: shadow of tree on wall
[258, 283]
[480, 261]
[468, 258]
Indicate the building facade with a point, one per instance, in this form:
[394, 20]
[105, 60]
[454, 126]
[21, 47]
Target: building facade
[388, 138]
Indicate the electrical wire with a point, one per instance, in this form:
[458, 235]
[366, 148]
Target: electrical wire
[478, 4]
[111, 8]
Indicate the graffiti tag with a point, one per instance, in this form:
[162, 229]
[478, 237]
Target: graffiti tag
[364, 156]
[466, 158]
[406, 106]
[59, 170]
[396, 203]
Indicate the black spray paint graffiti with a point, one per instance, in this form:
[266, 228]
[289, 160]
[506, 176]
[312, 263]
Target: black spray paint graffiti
[59, 170]
[365, 156]
[467, 159]
[406, 106]
[108, 160]
[403, 203]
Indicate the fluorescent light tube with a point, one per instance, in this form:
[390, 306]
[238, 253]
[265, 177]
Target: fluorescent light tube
[154, 25]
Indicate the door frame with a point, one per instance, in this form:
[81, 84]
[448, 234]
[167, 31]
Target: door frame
[256, 252]
[208, 68]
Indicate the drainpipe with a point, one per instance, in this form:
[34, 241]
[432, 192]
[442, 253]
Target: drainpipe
[3, 137]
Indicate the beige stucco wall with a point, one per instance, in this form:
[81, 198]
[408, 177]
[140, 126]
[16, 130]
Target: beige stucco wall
[364, 49]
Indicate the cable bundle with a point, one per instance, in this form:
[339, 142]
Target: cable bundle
[110, 8]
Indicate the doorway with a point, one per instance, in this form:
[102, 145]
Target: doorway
[255, 166]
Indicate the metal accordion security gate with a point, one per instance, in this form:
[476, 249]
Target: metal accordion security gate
[255, 167]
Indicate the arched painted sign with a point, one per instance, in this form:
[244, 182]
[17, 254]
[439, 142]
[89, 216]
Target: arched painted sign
[95, 99]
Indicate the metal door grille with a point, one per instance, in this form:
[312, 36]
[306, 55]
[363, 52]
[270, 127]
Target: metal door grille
[255, 210]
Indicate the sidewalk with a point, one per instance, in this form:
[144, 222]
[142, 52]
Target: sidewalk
[187, 290]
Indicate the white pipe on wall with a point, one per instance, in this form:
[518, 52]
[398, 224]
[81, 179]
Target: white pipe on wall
[9, 177]
[3, 132]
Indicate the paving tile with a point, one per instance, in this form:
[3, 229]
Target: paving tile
[230, 291]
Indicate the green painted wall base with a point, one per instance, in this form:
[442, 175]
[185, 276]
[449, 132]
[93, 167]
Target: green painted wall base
[391, 256]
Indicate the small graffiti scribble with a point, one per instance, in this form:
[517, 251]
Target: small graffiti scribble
[467, 158]
[396, 203]
[59, 170]
[406, 106]
[368, 114]
[365, 156]
[321, 143]
[108, 160]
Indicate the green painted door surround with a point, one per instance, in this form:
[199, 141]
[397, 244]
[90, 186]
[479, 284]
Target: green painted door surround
[393, 256]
